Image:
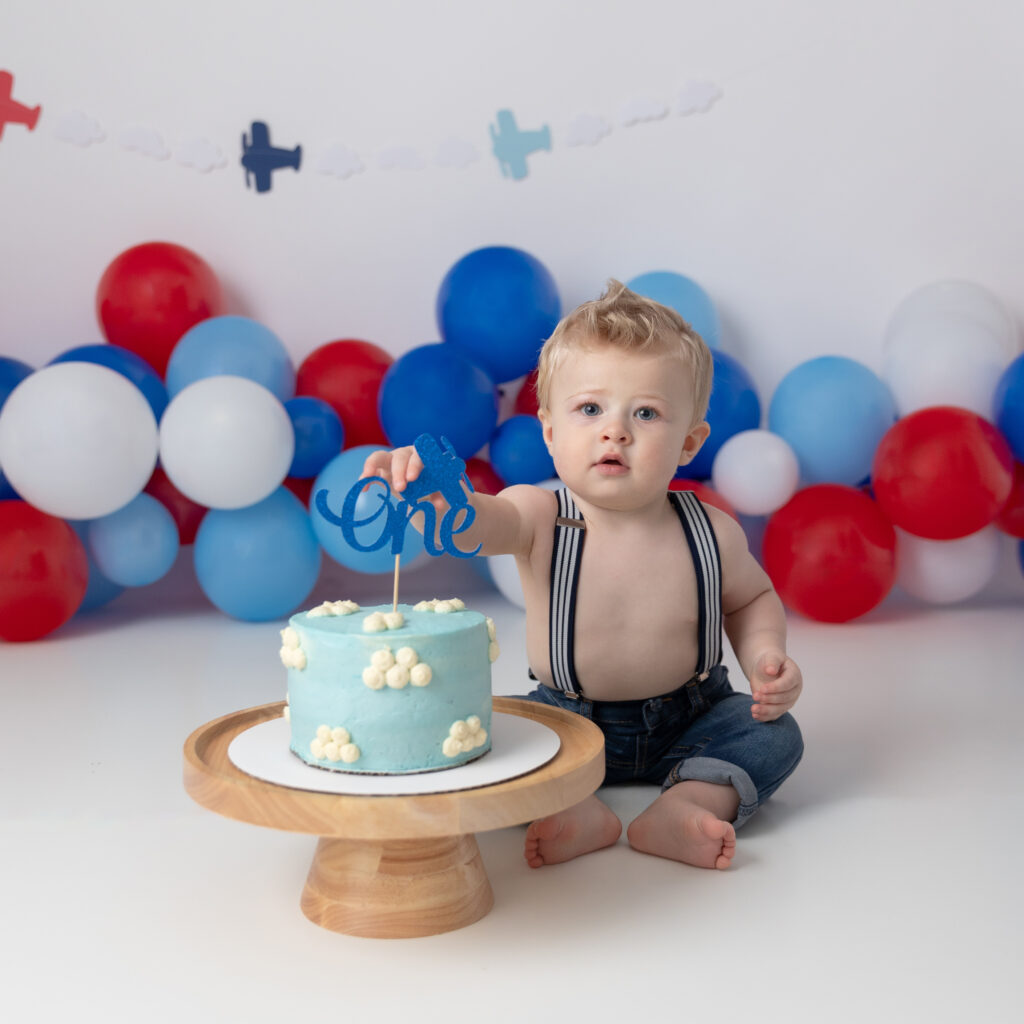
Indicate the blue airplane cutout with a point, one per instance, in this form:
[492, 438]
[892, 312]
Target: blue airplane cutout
[512, 146]
[260, 159]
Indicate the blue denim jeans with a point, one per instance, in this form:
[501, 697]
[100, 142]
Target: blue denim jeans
[703, 730]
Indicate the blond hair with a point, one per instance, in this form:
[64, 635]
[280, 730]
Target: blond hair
[634, 323]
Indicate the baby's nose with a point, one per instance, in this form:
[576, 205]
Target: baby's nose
[615, 432]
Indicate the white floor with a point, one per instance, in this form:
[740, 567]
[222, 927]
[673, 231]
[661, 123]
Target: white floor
[882, 883]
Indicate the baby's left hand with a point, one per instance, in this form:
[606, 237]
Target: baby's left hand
[775, 683]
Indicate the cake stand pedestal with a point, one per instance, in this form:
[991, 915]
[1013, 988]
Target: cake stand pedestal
[396, 866]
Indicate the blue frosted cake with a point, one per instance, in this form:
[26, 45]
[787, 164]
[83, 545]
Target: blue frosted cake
[388, 692]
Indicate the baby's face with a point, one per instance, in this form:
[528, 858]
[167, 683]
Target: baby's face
[619, 423]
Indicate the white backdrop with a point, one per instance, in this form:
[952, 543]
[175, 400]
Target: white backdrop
[859, 149]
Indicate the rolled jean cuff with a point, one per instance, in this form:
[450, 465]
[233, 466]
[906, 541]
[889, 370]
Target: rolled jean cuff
[711, 769]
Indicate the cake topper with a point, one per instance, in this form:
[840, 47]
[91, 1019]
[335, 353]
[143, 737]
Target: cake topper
[443, 472]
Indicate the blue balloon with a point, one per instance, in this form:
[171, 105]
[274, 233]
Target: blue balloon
[319, 435]
[137, 544]
[1020, 555]
[734, 407]
[498, 306]
[337, 478]
[12, 373]
[258, 563]
[518, 452]
[126, 363]
[434, 389]
[7, 492]
[234, 346]
[1009, 406]
[833, 411]
[683, 295]
[100, 590]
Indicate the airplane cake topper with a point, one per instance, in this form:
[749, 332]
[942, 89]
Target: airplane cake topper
[443, 472]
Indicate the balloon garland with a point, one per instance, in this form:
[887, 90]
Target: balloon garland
[861, 482]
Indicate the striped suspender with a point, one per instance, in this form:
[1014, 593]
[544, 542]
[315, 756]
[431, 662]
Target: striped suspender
[704, 549]
[565, 573]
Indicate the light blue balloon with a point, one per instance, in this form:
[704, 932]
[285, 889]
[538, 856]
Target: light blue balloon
[100, 590]
[137, 544]
[833, 411]
[258, 563]
[234, 346]
[683, 295]
[337, 477]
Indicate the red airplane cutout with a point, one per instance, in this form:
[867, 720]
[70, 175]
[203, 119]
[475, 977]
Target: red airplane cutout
[11, 111]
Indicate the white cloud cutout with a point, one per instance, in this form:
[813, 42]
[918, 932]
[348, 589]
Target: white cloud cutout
[586, 130]
[697, 98]
[401, 158]
[79, 129]
[144, 141]
[642, 108]
[201, 154]
[340, 161]
[456, 153]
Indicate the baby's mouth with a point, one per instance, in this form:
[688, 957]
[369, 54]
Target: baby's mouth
[611, 465]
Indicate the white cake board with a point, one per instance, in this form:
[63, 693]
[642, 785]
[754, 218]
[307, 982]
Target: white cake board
[520, 745]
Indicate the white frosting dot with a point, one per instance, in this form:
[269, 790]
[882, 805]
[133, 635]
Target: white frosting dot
[481, 738]
[451, 747]
[340, 735]
[492, 630]
[382, 659]
[394, 620]
[374, 678]
[374, 623]
[331, 751]
[464, 736]
[443, 607]
[397, 677]
[459, 730]
[323, 733]
[407, 656]
[289, 637]
[420, 675]
[287, 713]
[349, 753]
[473, 722]
[316, 748]
[493, 652]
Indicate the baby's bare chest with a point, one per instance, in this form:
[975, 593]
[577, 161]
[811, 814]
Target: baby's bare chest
[636, 617]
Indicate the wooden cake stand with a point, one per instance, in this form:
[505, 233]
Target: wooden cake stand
[396, 866]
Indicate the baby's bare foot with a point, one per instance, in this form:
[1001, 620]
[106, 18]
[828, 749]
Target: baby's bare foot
[684, 831]
[583, 828]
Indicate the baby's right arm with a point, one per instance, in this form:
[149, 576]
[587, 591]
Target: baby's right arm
[504, 524]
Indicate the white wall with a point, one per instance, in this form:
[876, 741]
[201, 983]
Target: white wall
[860, 148]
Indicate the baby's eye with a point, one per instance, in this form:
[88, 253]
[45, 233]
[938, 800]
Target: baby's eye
[646, 413]
[590, 409]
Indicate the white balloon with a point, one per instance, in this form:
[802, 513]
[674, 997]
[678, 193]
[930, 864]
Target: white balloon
[756, 471]
[957, 298]
[226, 442]
[944, 571]
[506, 578]
[934, 359]
[77, 440]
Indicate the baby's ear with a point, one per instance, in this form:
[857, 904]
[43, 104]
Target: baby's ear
[694, 440]
[545, 422]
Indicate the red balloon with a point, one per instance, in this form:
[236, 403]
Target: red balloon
[186, 513]
[482, 476]
[830, 552]
[44, 572]
[301, 487]
[346, 374]
[1011, 519]
[705, 494]
[151, 295]
[942, 473]
[527, 403]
